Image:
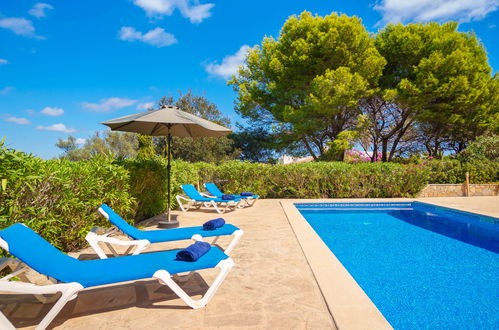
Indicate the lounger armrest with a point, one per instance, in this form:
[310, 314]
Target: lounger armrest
[93, 239]
[207, 195]
[184, 197]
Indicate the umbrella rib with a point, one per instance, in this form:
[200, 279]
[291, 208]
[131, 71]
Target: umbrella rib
[154, 128]
[117, 128]
[187, 128]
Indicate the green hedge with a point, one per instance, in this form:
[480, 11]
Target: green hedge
[320, 179]
[454, 171]
[59, 198]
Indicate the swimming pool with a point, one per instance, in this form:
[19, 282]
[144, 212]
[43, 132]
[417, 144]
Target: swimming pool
[423, 266]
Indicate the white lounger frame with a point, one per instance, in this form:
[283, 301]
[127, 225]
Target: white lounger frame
[248, 200]
[140, 245]
[69, 291]
[188, 203]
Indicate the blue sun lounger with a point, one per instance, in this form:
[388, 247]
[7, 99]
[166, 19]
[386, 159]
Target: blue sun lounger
[196, 199]
[140, 239]
[212, 189]
[71, 275]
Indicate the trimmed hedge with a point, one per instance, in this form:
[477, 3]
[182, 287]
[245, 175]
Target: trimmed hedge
[59, 198]
[454, 171]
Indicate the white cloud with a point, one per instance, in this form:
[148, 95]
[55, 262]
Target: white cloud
[30, 112]
[38, 9]
[17, 120]
[156, 37]
[109, 104]
[20, 26]
[6, 90]
[56, 128]
[145, 105]
[230, 64]
[196, 13]
[80, 141]
[403, 11]
[3, 61]
[54, 112]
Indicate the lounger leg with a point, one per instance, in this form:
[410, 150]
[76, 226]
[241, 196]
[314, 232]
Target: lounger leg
[217, 208]
[179, 201]
[65, 297]
[165, 278]
[5, 323]
[237, 236]
[68, 290]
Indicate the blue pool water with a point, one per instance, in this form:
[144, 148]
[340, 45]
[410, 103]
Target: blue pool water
[423, 266]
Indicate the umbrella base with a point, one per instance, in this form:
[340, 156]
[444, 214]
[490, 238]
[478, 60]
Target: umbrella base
[168, 224]
[173, 223]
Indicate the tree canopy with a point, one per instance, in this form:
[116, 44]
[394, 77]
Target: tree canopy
[306, 83]
[423, 87]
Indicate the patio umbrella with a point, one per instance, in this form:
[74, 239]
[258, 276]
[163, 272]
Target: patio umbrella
[168, 121]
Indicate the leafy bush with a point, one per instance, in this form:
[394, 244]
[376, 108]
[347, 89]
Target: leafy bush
[454, 171]
[485, 147]
[58, 198]
[148, 183]
[319, 179]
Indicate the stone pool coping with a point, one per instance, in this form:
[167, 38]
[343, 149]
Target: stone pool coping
[348, 304]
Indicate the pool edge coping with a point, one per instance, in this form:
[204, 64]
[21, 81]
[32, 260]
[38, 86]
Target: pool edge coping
[344, 297]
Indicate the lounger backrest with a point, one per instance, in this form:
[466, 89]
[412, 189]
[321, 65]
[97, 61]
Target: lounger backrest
[36, 252]
[119, 222]
[213, 189]
[192, 192]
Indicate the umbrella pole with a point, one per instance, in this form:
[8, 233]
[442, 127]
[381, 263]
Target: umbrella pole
[169, 168]
[169, 222]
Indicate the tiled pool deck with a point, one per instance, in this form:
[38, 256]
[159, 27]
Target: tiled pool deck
[271, 286]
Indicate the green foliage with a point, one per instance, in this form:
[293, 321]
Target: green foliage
[485, 147]
[59, 198]
[148, 183]
[307, 82]
[444, 76]
[146, 147]
[106, 143]
[321, 179]
[255, 144]
[454, 171]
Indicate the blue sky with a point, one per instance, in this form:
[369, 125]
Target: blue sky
[66, 65]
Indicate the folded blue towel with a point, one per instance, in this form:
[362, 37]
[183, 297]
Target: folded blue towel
[193, 252]
[246, 194]
[213, 224]
[228, 197]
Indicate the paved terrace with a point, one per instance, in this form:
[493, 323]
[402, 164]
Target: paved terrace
[271, 286]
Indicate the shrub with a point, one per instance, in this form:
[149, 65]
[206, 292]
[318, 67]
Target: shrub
[485, 147]
[58, 198]
[320, 179]
[148, 183]
[454, 171]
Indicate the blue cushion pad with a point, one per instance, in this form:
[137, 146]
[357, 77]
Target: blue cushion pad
[40, 255]
[166, 235]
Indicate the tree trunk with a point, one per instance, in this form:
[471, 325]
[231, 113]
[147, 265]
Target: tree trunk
[307, 145]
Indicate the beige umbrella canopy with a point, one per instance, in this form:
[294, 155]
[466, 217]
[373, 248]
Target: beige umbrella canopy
[168, 121]
[155, 123]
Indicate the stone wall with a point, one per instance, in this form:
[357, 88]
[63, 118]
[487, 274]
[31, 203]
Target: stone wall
[458, 190]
